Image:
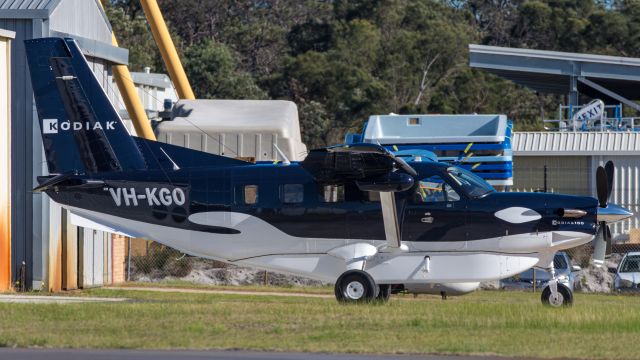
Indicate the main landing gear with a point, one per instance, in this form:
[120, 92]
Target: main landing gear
[356, 286]
[556, 294]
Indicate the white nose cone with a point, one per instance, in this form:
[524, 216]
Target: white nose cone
[613, 213]
[517, 215]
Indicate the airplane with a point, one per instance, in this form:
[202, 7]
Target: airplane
[354, 215]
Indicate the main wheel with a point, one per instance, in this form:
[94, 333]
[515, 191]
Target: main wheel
[384, 293]
[355, 286]
[564, 298]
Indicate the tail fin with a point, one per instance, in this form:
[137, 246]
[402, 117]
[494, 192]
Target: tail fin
[81, 130]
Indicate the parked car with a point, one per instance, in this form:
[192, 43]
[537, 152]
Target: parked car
[565, 273]
[627, 276]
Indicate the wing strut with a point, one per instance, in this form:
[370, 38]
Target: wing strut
[390, 219]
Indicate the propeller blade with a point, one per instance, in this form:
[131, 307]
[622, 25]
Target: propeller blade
[600, 247]
[607, 240]
[601, 186]
[609, 169]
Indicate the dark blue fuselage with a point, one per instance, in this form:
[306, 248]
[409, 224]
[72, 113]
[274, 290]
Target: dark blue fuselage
[288, 198]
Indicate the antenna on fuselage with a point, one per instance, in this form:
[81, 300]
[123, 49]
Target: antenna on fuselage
[173, 163]
[285, 159]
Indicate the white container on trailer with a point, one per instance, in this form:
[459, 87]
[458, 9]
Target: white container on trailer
[236, 128]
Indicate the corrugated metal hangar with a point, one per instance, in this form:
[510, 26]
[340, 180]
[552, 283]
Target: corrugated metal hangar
[41, 235]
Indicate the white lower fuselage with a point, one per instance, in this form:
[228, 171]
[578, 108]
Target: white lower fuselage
[263, 246]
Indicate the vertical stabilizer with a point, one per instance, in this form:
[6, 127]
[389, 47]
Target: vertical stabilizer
[81, 130]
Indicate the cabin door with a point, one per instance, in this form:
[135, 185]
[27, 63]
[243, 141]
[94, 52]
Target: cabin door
[435, 217]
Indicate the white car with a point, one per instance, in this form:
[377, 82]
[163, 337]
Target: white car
[628, 273]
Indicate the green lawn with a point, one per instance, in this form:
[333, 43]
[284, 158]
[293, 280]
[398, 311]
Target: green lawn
[504, 323]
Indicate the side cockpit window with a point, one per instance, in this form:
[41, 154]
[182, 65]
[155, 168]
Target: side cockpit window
[250, 194]
[435, 189]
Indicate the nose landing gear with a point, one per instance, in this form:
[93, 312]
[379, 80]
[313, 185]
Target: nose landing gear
[556, 294]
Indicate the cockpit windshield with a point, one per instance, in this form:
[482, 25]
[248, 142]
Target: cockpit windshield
[471, 183]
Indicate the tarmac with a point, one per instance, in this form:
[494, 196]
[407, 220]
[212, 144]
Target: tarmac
[82, 354]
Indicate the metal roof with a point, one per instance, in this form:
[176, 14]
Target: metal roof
[571, 143]
[37, 9]
[28, 4]
[550, 71]
[21, 9]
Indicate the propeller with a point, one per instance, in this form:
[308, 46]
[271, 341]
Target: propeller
[604, 186]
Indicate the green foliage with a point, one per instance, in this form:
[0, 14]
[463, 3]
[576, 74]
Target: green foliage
[132, 34]
[315, 122]
[342, 61]
[214, 73]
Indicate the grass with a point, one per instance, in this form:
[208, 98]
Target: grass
[509, 324]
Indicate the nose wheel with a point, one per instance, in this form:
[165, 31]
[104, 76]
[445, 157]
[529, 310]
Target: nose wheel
[563, 296]
[556, 294]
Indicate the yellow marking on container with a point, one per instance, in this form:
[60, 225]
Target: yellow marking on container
[475, 166]
[430, 188]
[468, 147]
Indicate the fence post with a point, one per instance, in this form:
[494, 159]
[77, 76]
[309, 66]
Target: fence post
[129, 261]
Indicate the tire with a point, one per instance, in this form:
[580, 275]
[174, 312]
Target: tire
[355, 286]
[384, 293]
[565, 298]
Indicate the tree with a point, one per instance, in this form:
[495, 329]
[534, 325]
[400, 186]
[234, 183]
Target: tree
[342, 61]
[214, 74]
[132, 33]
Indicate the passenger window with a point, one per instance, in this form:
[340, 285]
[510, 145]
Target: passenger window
[250, 194]
[292, 193]
[333, 193]
[434, 189]
[372, 196]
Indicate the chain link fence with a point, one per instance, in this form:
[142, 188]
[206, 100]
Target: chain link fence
[149, 261]
[152, 262]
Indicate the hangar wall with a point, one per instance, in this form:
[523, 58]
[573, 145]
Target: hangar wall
[38, 231]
